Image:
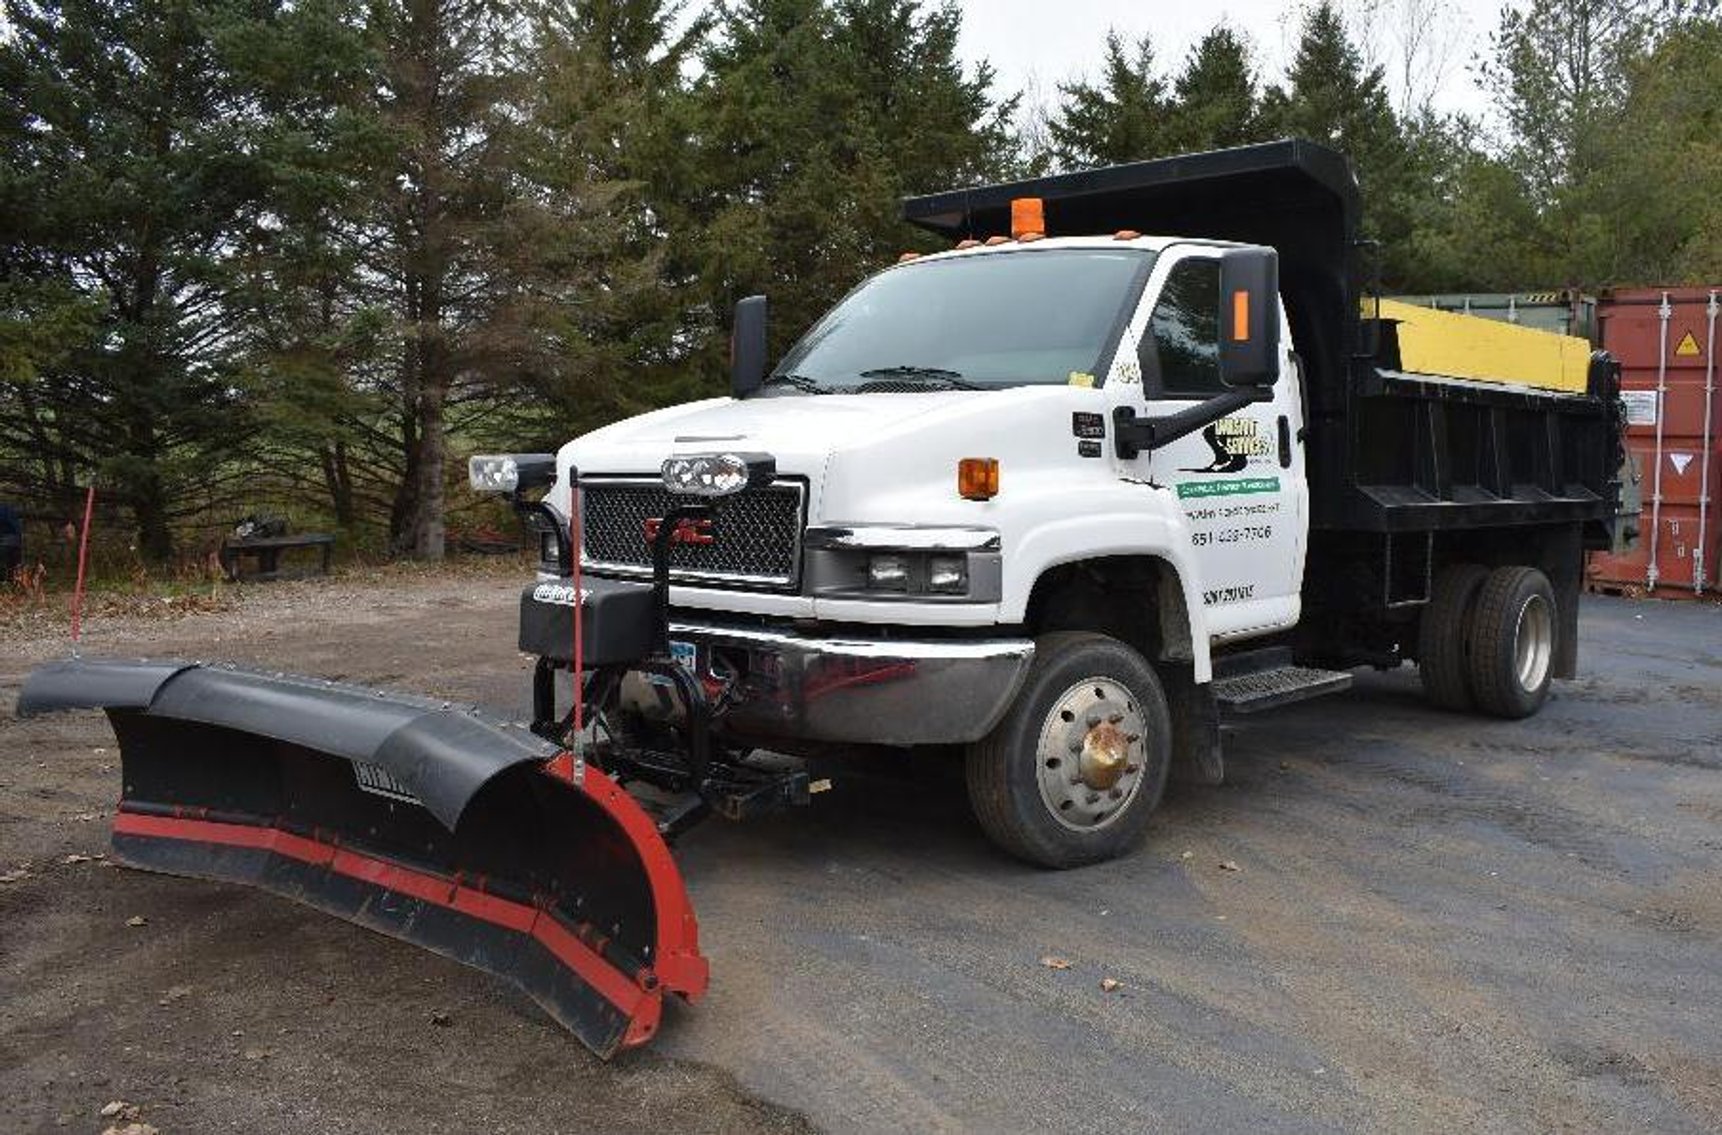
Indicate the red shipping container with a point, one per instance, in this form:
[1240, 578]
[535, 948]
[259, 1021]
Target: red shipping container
[1666, 340]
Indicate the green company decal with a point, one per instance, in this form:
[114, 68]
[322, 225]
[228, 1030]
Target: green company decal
[1238, 488]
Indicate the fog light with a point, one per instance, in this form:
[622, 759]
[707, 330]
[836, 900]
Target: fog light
[550, 550]
[948, 574]
[717, 474]
[888, 573]
[510, 472]
[493, 474]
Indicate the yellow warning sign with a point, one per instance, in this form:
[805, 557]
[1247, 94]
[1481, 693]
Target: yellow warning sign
[1688, 345]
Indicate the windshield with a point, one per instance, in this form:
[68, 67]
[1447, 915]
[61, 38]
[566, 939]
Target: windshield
[978, 321]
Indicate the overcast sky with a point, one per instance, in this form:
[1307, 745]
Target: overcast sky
[1037, 43]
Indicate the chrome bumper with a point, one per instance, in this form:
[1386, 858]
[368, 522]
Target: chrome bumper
[864, 691]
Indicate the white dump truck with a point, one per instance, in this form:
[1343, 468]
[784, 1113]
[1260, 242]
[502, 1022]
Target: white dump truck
[1066, 493]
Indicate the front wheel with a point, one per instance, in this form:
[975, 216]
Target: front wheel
[1079, 762]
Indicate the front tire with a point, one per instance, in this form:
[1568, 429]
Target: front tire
[1073, 771]
[1513, 629]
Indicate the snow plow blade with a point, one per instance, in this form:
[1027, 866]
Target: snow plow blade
[428, 822]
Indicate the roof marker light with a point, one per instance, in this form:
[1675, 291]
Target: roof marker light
[1027, 217]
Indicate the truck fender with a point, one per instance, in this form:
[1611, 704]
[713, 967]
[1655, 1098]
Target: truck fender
[1094, 536]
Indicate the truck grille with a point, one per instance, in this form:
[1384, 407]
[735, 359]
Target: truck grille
[757, 534]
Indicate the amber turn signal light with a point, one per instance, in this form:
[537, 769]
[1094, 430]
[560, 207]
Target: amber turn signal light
[978, 478]
[1240, 316]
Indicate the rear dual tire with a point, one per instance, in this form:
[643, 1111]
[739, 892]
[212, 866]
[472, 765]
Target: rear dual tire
[1488, 640]
[1079, 762]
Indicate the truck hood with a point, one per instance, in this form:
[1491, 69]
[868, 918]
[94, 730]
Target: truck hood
[799, 430]
[866, 457]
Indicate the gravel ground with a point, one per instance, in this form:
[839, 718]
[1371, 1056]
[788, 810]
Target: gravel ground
[1435, 923]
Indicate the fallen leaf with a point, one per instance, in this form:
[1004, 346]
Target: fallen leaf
[1110, 984]
[1228, 865]
[75, 858]
[177, 993]
[137, 920]
[1052, 961]
[440, 1018]
[87, 817]
[15, 876]
[1188, 855]
[118, 1109]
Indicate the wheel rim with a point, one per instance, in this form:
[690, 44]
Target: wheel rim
[1533, 642]
[1089, 759]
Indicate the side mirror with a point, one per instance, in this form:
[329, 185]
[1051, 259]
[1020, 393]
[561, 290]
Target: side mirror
[1249, 317]
[747, 347]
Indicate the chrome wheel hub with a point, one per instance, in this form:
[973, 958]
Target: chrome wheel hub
[1533, 642]
[1089, 760]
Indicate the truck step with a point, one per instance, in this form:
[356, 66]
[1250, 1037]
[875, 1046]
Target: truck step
[1257, 690]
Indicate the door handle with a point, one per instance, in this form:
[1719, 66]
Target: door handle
[1285, 442]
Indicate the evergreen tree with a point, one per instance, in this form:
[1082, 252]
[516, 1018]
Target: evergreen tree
[606, 294]
[130, 171]
[1125, 117]
[1332, 96]
[1214, 96]
[305, 328]
[814, 119]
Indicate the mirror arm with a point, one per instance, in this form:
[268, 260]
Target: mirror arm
[1132, 436]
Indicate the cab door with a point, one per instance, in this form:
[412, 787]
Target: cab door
[1240, 480]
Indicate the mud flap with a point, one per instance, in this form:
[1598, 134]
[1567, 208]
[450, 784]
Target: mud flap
[431, 823]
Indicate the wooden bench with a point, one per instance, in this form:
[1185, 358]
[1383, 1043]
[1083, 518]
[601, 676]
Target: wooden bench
[267, 552]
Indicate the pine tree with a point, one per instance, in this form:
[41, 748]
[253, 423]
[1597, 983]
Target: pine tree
[1125, 117]
[304, 325]
[130, 169]
[1215, 101]
[605, 293]
[1332, 96]
[814, 119]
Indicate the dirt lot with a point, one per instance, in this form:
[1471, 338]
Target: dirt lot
[1436, 923]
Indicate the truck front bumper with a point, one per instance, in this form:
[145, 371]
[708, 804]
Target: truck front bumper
[806, 686]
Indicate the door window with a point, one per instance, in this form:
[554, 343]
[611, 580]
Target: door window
[1181, 349]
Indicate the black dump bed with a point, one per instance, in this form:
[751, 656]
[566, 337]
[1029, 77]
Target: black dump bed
[1387, 451]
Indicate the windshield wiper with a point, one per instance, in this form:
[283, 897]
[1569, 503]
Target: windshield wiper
[797, 381]
[951, 379]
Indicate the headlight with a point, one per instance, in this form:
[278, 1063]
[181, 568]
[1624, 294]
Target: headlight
[892, 562]
[510, 472]
[888, 573]
[948, 574]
